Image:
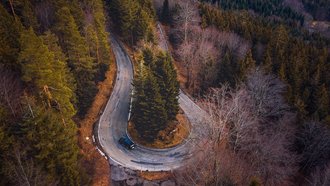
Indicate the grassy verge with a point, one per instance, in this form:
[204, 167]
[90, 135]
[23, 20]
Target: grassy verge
[173, 135]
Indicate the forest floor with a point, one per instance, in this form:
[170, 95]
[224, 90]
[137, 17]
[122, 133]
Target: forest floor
[152, 176]
[173, 135]
[98, 169]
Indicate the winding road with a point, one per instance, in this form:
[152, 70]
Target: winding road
[113, 123]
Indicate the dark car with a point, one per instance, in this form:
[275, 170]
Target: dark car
[127, 143]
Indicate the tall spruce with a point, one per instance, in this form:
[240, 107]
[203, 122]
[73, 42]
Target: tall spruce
[165, 15]
[50, 130]
[156, 92]
[168, 83]
[134, 19]
[123, 14]
[149, 115]
[247, 64]
[9, 36]
[79, 59]
[97, 36]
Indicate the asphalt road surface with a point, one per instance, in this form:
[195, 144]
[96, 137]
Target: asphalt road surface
[113, 123]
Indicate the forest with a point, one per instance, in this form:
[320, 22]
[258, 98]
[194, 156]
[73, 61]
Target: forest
[264, 8]
[156, 87]
[264, 83]
[53, 53]
[262, 79]
[319, 9]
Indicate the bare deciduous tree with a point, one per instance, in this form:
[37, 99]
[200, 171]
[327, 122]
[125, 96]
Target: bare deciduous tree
[242, 145]
[198, 48]
[313, 142]
[195, 53]
[187, 15]
[266, 91]
[320, 177]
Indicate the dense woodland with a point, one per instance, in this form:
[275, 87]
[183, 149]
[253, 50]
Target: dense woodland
[156, 89]
[155, 94]
[265, 84]
[52, 54]
[235, 41]
[262, 79]
[301, 62]
[320, 9]
[134, 20]
[264, 8]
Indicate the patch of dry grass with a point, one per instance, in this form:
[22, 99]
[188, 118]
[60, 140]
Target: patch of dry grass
[172, 136]
[152, 176]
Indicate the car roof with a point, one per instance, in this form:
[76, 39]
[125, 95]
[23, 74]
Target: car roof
[128, 141]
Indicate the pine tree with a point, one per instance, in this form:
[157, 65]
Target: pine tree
[9, 44]
[149, 115]
[165, 15]
[24, 8]
[268, 61]
[247, 64]
[79, 59]
[148, 57]
[124, 14]
[143, 29]
[75, 10]
[168, 83]
[63, 84]
[54, 144]
[50, 131]
[133, 19]
[156, 92]
[39, 66]
[148, 6]
[323, 101]
[97, 36]
[279, 44]
[227, 70]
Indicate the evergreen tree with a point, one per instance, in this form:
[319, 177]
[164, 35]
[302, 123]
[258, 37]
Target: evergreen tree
[148, 6]
[247, 64]
[97, 36]
[149, 115]
[124, 14]
[227, 70]
[279, 44]
[268, 61]
[143, 28]
[165, 15]
[75, 11]
[63, 86]
[168, 83]
[39, 66]
[9, 35]
[134, 19]
[148, 57]
[53, 144]
[156, 92]
[323, 102]
[79, 59]
[24, 9]
[50, 130]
